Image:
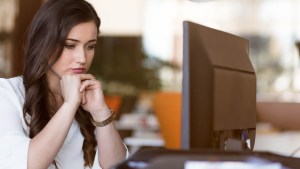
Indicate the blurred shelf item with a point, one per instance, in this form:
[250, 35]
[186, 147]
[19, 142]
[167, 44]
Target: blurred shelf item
[135, 121]
[144, 130]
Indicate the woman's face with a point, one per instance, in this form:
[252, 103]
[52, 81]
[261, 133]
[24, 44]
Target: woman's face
[78, 51]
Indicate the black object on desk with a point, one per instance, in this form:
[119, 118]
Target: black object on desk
[156, 158]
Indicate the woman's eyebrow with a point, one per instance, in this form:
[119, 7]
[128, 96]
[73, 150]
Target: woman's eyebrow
[93, 40]
[75, 40]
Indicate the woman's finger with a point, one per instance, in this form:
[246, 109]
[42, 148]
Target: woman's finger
[83, 100]
[86, 77]
[89, 84]
[84, 84]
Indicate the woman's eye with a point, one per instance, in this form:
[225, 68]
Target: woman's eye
[91, 47]
[69, 46]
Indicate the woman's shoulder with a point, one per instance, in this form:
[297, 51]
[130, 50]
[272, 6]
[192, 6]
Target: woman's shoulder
[13, 86]
[18, 80]
[12, 92]
[12, 97]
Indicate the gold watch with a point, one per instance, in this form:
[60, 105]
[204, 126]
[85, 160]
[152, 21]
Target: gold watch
[106, 121]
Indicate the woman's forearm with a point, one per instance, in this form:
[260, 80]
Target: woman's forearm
[111, 149]
[44, 147]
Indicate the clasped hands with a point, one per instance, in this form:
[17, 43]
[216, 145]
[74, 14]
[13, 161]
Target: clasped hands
[83, 90]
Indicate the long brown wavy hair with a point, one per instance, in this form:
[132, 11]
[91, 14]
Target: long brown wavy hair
[43, 46]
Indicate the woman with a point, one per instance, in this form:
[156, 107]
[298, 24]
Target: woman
[55, 115]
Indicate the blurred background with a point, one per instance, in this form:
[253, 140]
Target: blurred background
[139, 55]
[152, 31]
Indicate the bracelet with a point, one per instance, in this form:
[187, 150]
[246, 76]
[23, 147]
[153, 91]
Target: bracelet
[106, 121]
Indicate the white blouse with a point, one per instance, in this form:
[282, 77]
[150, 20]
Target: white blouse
[14, 133]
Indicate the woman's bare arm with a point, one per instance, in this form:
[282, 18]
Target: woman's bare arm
[44, 147]
[110, 145]
[111, 149]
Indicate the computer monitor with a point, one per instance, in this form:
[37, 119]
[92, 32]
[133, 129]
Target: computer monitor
[218, 90]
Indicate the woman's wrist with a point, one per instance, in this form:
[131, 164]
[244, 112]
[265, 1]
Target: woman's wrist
[98, 118]
[101, 114]
[72, 102]
[105, 122]
[70, 106]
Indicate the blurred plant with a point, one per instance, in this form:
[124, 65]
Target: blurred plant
[124, 68]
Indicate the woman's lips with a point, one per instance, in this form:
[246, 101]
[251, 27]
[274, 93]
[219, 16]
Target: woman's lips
[78, 70]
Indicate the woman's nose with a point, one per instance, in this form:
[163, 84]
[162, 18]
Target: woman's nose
[81, 56]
